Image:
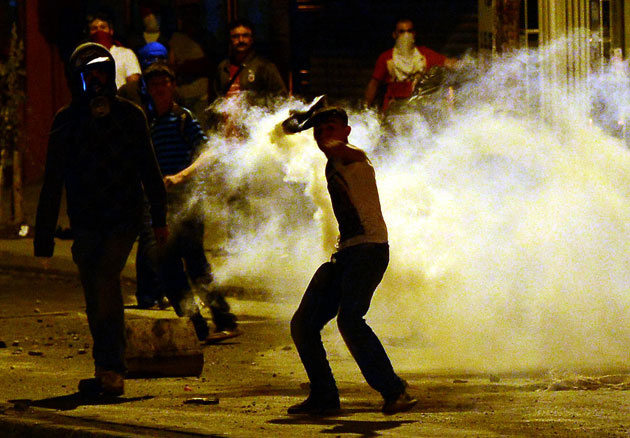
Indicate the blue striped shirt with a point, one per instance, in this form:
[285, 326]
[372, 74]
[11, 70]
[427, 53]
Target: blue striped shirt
[176, 137]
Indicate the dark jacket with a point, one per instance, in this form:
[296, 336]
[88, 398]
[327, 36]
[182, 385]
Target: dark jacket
[104, 163]
[259, 77]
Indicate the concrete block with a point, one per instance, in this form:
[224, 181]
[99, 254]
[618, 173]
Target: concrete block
[162, 348]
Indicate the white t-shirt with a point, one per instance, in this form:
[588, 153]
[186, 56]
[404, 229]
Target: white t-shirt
[126, 64]
[356, 204]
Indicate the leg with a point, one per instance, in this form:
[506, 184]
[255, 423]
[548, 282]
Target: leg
[318, 306]
[100, 258]
[178, 289]
[149, 285]
[200, 273]
[363, 268]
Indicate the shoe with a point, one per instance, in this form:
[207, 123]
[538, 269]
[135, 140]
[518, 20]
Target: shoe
[222, 335]
[105, 382]
[321, 406]
[163, 303]
[201, 326]
[147, 305]
[401, 403]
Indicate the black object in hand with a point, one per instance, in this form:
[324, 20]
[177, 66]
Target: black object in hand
[299, 120]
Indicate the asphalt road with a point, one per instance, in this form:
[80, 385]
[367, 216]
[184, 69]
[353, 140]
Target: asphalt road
[250, 381]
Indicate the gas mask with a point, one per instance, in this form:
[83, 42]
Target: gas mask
[94, 82]
[91, 77]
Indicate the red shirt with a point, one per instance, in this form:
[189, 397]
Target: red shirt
[401, 90]
[235, 88]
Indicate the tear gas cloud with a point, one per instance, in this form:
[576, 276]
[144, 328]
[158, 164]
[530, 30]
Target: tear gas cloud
[508, 215]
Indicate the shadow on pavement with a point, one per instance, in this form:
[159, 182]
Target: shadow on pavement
[365, 429]
[73, 401]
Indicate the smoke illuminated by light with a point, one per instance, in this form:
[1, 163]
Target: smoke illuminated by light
[509, 220]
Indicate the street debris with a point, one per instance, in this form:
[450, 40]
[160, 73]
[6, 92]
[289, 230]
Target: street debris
[21, 404]
[202, 401]
[615, 381]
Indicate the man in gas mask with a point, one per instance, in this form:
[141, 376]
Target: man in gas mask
[400, 67]
[100, 149]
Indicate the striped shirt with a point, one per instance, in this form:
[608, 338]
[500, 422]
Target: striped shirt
[176, 137]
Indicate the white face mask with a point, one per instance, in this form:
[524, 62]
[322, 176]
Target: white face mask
[405, 43]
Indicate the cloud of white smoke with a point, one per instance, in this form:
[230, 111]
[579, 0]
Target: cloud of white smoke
[509, 220]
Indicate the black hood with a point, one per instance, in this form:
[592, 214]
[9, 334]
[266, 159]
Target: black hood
[85, 57]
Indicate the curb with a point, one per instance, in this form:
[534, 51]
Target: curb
[29, 422]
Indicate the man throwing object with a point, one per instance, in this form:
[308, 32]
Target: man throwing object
[344, 286]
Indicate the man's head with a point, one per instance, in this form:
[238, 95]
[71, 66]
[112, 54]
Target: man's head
[92, 77]
[241, 37]
[150, 19]
[100, 29]
[330, 127]
[404, 26]
[151, 53]
[160, 81]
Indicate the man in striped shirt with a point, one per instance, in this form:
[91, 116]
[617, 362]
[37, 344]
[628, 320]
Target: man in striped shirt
[177, 136]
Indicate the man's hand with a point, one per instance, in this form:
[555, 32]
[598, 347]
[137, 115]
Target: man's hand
[161, 235]
[173, 180]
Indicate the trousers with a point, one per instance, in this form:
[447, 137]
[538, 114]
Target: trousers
[344, 288]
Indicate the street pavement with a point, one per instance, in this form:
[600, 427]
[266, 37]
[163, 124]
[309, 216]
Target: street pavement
[248, 382]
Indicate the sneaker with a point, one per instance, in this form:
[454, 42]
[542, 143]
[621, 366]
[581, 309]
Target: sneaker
[147, 305]
[321, 406]
[401, 403]
[105, 382]
[163, 303]
[222, 335]
[201, 326]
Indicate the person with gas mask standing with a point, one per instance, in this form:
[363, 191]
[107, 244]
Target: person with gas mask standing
[100, 150]
[400, 67]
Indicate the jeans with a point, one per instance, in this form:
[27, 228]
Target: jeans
[344, 288]
[184, 245]
[149, 285]
[184, 257]
[101, 257]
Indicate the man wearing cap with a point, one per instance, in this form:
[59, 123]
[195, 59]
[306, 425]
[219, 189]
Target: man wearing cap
[136, 91]
[177, 139]
[344, 286]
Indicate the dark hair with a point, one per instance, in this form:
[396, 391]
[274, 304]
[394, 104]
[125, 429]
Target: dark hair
[158, 68]
[241, 22]
[329, 113]
[99, 15]
[404, 19]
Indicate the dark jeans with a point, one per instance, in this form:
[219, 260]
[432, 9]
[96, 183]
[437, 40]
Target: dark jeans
[184, 257]
[344, 288]
[149, 286]
[101, 257]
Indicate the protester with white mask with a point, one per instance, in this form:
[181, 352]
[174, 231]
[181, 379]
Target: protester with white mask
[400, 67]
